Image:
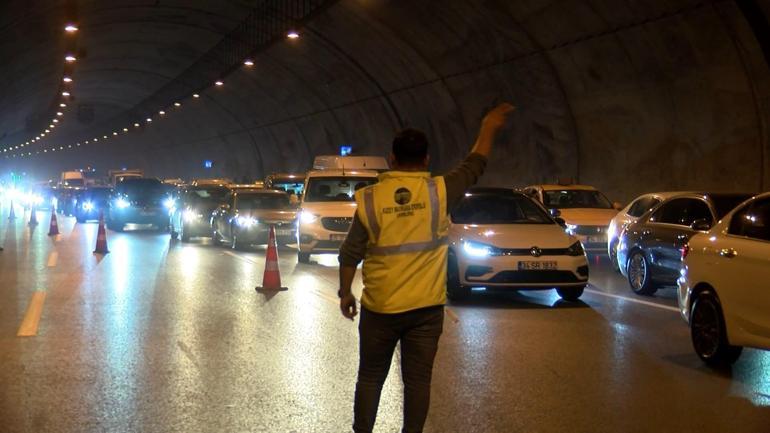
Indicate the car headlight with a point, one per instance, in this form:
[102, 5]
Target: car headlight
[169, 203]
[477, 249]
[307, 218]
[88, 206]
[576, 249]
[191, 215]
[245, 221]
[122, 203]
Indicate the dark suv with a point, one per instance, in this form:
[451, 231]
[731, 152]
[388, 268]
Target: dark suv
[139, 201]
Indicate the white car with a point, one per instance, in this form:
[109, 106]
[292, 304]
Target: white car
[502, 239]
[724, 288]
[630, 214]
[585, 209]
[327, 209]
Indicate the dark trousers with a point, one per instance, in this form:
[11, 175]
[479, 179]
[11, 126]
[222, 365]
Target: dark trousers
[419, 332]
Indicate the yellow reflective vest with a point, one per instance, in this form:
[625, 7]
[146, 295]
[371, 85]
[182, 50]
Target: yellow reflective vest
[406, 217]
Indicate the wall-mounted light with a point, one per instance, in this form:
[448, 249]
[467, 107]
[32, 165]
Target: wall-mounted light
[70, 28]
[69, 58]
[248, 62]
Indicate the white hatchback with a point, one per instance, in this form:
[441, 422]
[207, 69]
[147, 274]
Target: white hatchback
[501, 239]
[724, 288]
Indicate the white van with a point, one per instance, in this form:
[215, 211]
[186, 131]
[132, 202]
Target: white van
[326, 162]
[327, 209]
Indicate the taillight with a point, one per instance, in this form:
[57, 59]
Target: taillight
[685, 250]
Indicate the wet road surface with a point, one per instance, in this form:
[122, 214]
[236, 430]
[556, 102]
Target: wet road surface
[160, 336]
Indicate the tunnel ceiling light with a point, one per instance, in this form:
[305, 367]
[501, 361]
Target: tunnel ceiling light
[195, 95]
[136, 125]
[125, 129]
[114, 133]
[219, 83]
[65, 93]
[67, 79]
[95, 140]
[248, 62]
[46, 132]
[71, 28]
[161, 112]
[61, 147]
[177, 104]
[59, 113]
[62, 105]
[149, 119]
[69, 58]
[105, 136]
[55, 120]
[292, 34]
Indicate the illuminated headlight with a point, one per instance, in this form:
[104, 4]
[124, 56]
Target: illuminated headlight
[476, 249]
[88, 206]
[122, 203]
[245, 221]
[191, 215]
[571, 228]
[307, 218]
[169, 203]
[576, 249]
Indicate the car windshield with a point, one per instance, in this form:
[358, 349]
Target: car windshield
[140, 187]
[499, 209]
[723, 204]
[289, 185]
[207, 194]
[575, 198]
[336, 188]
[262, 201]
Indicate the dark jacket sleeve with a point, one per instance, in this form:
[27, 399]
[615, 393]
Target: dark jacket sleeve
[353, 250]
[463, 177]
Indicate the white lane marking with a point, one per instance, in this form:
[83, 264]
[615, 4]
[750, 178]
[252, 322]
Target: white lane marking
[452, 315]
[637, 301]
[53, 259]
[31, 320]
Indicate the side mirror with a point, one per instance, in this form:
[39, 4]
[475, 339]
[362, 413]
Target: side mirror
[556, 213]
[701, 225]
[617, 206]
[561, 222]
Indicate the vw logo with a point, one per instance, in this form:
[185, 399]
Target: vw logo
[535, 252]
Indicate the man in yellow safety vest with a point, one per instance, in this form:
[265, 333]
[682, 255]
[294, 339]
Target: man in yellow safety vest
[400, 232]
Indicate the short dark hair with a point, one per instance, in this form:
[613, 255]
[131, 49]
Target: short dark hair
[410, 146]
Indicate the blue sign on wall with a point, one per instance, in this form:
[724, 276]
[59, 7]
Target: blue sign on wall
[208, 163]
[346, 150]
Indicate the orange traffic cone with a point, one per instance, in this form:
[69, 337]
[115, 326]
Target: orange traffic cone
[12, 215]
[32, 216]
[272, 278]
[53, 229]
[101, 237]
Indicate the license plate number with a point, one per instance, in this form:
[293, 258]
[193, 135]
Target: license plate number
[283, 232]
[537, 266]
[339, 238]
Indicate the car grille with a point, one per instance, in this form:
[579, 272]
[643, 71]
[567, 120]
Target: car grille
[528, 252]
[534, 277]
[341, 224]
[590, 230]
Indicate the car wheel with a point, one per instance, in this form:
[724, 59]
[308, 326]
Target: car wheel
[709, 334]
[455, 291]
[571, 294]
[303, 257]
[639, 278]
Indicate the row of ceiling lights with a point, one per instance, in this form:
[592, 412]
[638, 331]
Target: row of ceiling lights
[71, 28]
[69, 59]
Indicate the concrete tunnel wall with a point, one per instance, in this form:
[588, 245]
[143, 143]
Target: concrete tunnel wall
[659, 95]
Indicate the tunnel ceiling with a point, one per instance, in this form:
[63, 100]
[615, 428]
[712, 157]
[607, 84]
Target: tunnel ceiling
[629, 96]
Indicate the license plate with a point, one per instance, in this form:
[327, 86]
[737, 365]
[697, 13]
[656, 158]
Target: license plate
[340, 238]
[537, 266]
[283, 232]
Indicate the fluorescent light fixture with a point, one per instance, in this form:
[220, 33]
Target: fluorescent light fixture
[67, 79]
[195, 95]
[248, 62]
[149, 119]
[70, 28]
[219, 83]
[292, 34]
[177, 104]
[65, 93]
[69, 58]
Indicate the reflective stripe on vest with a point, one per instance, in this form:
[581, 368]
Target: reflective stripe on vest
[374, 225]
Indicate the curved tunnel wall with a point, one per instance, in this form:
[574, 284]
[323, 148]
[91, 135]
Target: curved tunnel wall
[666, 95]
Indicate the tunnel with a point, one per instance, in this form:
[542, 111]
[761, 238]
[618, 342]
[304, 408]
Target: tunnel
[626, 96]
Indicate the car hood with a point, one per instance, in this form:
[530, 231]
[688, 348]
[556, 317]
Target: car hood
[271, 216]
[588, 217]
[331, 209]
[513, 235]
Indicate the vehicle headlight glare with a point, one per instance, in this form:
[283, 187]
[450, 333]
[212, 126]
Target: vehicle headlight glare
[169, 203]
[244, 221]
[307, 217]
[88, 206]
[571, 228]
[191, 215]
[475, 249]
[122, 203]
